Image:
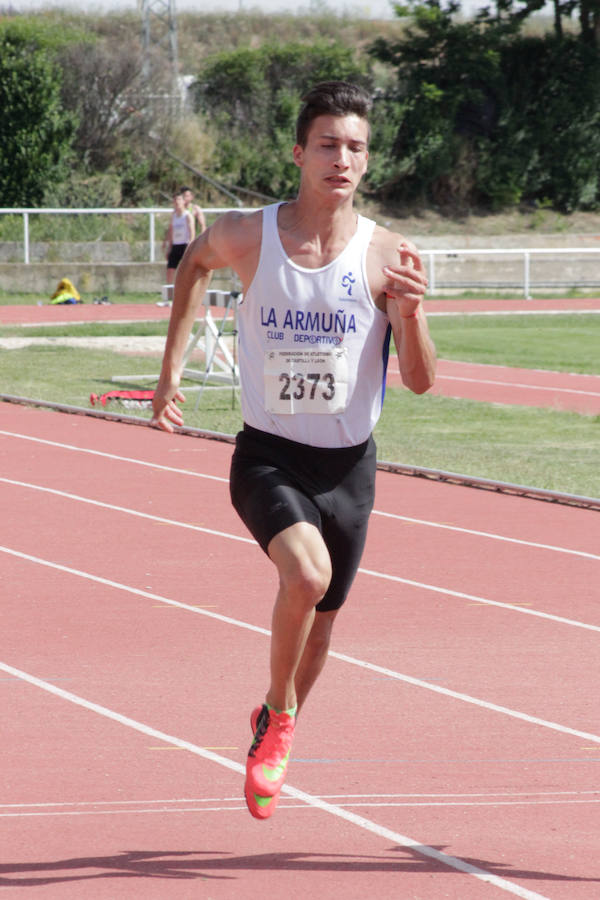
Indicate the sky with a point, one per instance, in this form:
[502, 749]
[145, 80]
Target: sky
[369, 9]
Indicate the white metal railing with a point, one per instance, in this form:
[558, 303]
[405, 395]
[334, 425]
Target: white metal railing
[525, 252]
[151, 211]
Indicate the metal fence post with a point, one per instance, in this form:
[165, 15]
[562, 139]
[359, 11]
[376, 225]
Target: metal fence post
[526, 293]
[151, 237]
[26, 237]
[431, 272]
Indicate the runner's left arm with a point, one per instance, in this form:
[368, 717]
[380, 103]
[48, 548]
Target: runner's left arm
[404, 291]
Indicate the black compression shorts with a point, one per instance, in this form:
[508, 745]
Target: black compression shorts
[175, 255]
[275, 483]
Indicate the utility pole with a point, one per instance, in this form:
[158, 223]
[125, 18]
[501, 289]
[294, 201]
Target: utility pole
[159, 39]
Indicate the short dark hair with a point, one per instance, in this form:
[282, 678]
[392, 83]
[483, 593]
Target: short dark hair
[184, 189]
[331, 98]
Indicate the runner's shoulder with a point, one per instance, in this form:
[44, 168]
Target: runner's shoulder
[237, 231]
[384, 241]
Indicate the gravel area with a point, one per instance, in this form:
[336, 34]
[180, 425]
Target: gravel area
[151, 345]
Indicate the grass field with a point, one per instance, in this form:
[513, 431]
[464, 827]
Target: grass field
[540, 448]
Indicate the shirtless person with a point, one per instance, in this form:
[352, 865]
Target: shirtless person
[196, 211]
[323, 288]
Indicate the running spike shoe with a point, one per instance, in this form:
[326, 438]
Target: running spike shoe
[255, 715]
[260, 807]
[269, 753]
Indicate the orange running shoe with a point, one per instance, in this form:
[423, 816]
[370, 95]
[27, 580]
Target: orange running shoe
[254, 716]
[269, 754]
[260, 807]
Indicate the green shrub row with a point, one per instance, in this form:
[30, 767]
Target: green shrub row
[466, 114]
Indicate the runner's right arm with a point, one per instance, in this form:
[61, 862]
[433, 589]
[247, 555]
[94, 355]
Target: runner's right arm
[216, 248]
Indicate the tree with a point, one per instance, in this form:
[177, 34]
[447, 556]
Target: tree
[115, 104]
[252, 98]
[449, 90]
[489, 117]
[35, 130]
[515, 12]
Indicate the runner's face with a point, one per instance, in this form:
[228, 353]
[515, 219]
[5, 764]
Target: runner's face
[335, 157]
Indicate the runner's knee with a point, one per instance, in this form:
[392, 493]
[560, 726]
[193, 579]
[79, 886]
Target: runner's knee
[306, 581]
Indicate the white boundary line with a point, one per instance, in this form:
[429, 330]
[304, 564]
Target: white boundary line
[238, 805]
[486, 534]
[513, 384]
[176, 471]
[483, 600]
[371, 667]
[131, 512]
[510, 384]
[516, 384]
[533, 795]
[315, 802]
[128, 459]
[440, 312]
[395, 578]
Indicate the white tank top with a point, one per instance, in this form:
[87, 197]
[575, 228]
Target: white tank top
[181, 229]
[313, 346]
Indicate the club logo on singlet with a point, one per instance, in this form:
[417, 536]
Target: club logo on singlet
[347, 281]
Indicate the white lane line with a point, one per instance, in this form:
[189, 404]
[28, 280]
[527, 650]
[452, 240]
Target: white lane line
[92, 804]
[508, 794]
[127, 459]
[128, 511]
[371, 667]
[170, 801]
[176, 471]
[123, 812]
[485, 312]
[315, 802]
[225, 806]
[460, 595]
[493, 805]
[487, 534]
[510, 384]
[224, 534]
[516, 384]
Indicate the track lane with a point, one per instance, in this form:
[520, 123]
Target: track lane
[428, 722]
[107, 686]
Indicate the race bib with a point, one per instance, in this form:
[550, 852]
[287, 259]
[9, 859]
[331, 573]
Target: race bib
[306, 381]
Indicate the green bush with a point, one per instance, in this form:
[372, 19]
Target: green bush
[552, 119]
[35, 130]
[252, 98]
[488, 117]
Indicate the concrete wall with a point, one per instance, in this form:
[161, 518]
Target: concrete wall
[91, 278]
[108, 268]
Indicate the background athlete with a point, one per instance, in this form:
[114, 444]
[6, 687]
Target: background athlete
[322, 288]
[179, 234]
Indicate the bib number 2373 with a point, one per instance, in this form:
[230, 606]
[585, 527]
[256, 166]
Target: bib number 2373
[306, 381]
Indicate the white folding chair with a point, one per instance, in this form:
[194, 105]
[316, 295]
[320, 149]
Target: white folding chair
[217, 339]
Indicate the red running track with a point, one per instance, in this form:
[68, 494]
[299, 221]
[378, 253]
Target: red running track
[82, 312]
[122, 312]
[512, 386]
[498, 384]
[449, 750]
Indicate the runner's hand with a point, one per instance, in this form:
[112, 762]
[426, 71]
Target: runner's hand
[407, 282]
[166, 410]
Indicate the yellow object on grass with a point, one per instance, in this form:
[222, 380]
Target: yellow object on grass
[66, 292]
